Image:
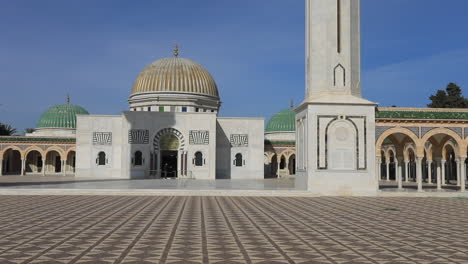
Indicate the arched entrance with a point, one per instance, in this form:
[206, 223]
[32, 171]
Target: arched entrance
[169, 160]
[34, 162]
[412, 165]
[12, 162]
[444, 158]
[451, 171]
[169, 146]
[53, 162]
[71, 162]
[282, 162]
[396, 158]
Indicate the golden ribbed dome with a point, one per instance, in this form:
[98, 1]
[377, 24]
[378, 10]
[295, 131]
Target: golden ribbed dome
[175, 75]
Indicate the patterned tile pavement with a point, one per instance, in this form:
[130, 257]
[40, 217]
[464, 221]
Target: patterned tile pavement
[133, 229]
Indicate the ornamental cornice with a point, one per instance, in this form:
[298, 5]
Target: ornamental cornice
[421, 109]
[35, 140]
[421, 121]
[280, 143]
[422, 113]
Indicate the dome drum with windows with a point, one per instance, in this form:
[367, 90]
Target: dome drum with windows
[174, 85]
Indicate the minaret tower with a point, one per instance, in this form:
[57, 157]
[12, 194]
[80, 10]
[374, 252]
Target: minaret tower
[333, 52]
[335, 125]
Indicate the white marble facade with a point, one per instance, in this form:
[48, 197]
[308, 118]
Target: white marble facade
[335, 149]
[218, 140]
[335, 125]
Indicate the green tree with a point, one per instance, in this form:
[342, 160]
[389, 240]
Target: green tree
[29, 130]
[7, 130]
[439, 100]
[450, 98]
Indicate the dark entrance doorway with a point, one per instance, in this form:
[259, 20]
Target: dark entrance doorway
[169, 164]
[292, 165]
[12, 162]
[274, 166]
[58, 164]
[169, 146]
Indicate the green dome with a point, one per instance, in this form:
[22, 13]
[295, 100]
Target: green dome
[61, 116]
[284, 121]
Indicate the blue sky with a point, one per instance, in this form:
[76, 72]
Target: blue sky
[94, 50]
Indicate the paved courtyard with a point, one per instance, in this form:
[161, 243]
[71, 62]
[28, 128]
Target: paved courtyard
[168, 229]
[72, 183]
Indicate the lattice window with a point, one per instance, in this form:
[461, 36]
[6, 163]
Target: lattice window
[240, 140]
[102, 138]
[138, 136]
[199, 137]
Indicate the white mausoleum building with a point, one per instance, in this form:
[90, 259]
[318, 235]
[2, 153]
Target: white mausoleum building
[171, 130]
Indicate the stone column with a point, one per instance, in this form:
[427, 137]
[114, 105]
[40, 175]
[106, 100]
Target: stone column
[23, 167]
[34, 168]
[64, 169]
[278, 163]
[462, 174]
[406, 171]
[398, 174]
[439, 170]
[410, 172]
[419, 173]
[458, 171]
[157, 172]
[378, 168]
[1, 167]
[429, 171]
[179, 164]
[442, 166]
[44, 167]
[186, 172]
[388, 170]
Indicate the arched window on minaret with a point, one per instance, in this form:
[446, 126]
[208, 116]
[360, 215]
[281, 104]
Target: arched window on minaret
[339, 76]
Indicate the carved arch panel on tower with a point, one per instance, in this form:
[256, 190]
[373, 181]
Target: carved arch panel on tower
[339, 76]
[342, 138]
[360, 124]
[341, 145]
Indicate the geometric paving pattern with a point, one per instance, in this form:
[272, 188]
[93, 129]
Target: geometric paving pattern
[148, 229]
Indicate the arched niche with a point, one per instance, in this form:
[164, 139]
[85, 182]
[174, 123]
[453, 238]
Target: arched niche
[341, 137]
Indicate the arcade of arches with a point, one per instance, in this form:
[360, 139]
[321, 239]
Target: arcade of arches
[422, 148]
[40, 156]
[280, 161]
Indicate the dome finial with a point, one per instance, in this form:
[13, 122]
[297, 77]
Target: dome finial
[176, 50]
[68, 99]
[292, 104]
